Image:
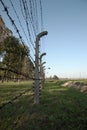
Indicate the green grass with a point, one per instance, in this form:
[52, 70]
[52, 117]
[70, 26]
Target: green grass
[11, 89]
[60, 108]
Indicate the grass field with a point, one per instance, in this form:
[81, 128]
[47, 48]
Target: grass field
[60, 108]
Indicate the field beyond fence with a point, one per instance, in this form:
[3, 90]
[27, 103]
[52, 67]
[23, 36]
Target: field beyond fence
[60, 108]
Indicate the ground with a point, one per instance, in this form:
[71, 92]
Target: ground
[60, 108]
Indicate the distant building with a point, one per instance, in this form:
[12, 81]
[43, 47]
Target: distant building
[4, 31]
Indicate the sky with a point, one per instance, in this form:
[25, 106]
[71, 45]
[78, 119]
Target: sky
[66, 42]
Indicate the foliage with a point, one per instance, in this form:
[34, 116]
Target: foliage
[14, 53]
[16, 57]
[55, 77]
[1, 48]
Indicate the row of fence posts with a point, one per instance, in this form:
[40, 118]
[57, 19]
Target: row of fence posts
[39, 69]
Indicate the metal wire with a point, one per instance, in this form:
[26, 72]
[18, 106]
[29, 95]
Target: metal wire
[13, 23]
[27, 24]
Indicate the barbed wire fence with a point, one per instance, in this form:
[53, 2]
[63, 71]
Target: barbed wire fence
[31, 13]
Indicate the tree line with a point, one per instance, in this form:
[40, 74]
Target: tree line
[15, 63]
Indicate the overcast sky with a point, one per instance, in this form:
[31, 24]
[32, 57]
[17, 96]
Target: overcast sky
[66, 42]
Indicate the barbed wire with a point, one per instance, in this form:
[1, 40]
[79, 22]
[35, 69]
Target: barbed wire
[13, 23]
[21, 25]
[32, 14]
[41, 10]
[28, 14]
[18, 19]
[22, 12]
[36, 16]
[27, 24]
[42, 27]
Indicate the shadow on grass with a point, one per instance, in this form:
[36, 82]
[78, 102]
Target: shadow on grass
[60, 109]
[9, 90]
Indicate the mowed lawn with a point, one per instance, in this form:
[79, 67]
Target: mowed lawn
[60, 108]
